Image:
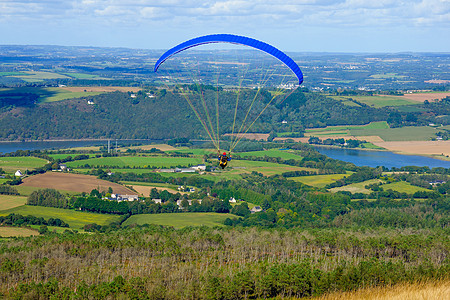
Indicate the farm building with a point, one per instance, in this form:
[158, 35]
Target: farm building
[255, 209]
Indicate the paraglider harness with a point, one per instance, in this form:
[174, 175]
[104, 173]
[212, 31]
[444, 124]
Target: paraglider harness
[223, 160]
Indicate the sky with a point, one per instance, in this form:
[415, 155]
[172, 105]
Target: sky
[290, 25]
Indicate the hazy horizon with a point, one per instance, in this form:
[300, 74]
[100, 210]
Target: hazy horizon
[305, 26]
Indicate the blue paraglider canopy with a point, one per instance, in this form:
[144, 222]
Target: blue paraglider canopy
[233, 39]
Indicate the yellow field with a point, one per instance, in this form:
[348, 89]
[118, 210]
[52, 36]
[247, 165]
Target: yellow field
[10, 201]
[16, 231]
[418, 291]
[441, 148]
[319, 180]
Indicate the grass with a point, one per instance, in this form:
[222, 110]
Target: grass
[409, 133]
[75, 219]
[284, 154]
[375, 101]
[358, 130]
[37, 76]
[137, 161]
[319, 181]
[81, 75]
[53, 228]
[198, 152]
[266, 168]
[26, 190]
[155, 184]
[49, 94]
[403, 187]
[12, 73]
[356, 187]
[60, 94]
[11, 201]
[63, 156]
[12, 164]
[179, 220]
[411, 291]
[372, 146]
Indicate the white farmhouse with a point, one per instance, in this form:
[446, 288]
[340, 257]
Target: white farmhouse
[18, 173]
[201, 167]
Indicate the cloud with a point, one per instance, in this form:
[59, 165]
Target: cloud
[321, 12]
[192, 17]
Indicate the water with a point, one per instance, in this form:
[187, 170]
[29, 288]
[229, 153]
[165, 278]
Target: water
[358, 157]
[381, 158]
[6, 147]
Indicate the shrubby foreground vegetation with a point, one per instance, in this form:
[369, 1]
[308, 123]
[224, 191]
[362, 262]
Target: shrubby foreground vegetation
[152, 262]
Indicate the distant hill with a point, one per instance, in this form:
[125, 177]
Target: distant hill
[168, 115]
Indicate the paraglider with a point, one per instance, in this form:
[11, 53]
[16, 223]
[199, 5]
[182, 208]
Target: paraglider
[233, 39]
[207, 122]
[223, 160]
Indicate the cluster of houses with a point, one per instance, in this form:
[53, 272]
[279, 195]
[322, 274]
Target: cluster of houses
[192, 169]
[120, 198]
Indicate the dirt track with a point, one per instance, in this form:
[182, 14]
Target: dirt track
[73, 182]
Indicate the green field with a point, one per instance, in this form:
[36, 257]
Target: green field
[284, 154]
[75, 219]
[48, 94]
[37, 76]
[356, 187]
[199, 152]
[409, 133]
[62, 156]
[81, 75]
[179, 220]
[381, 129]
[12, 73]
[266, 168]
[23, 163]
[155, 184]
[348, 130]
[403, 187]
[137, 161]
[61, 94]
[319, 181]
[375, 101]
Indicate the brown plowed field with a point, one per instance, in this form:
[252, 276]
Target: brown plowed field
[73, 182]
[421, 97]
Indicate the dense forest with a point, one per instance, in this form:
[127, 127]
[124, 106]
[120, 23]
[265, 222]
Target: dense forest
[168, 115]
